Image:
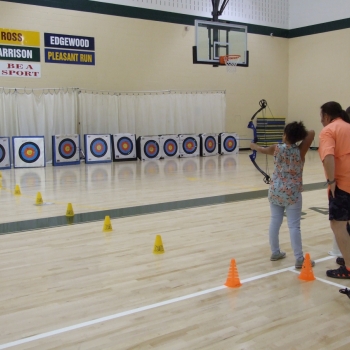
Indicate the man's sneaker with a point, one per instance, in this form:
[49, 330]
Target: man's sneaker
[278, 256]
[299, 263]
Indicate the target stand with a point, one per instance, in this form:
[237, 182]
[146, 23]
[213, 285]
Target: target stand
[189, 145]
[28, 151]
[228, 143]
[65, 149]
[5, 159]
[169, 146]
[209, 145]
[148, 147]
[124, 147]
[97, 148]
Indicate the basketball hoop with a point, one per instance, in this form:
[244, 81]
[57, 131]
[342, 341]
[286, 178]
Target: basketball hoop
[230, 61]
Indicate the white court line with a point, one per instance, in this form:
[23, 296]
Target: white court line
[152, 306]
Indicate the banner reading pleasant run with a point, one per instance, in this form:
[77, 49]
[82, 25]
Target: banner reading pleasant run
[69, 49]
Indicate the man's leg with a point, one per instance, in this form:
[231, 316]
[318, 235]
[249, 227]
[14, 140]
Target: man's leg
[343, 239]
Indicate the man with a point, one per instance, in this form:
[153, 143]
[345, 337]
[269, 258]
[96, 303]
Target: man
[334, 151]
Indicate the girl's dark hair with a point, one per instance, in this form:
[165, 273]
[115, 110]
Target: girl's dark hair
[335, 110]
[295, 132]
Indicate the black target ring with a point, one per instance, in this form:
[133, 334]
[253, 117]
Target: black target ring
[98, 147]
[190, 145]
[29, 152]
[125, 146]
[151, 149]
[67, 148]
[170, 147]
[210, 144]
[230, 144]
[2, 153]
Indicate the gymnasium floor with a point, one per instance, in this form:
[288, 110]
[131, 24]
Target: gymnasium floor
[66, 284]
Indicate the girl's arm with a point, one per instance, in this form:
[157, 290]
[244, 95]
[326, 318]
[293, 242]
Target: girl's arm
[265, 150]
[306, 143]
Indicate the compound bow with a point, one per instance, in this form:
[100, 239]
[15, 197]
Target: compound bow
[251, 125]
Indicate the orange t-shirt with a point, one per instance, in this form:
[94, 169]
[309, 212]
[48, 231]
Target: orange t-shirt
[335, 140]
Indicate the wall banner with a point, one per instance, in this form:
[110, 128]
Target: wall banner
[19, 37]
[69, 57]
[20, 69]
[62, 41]
[19, 53]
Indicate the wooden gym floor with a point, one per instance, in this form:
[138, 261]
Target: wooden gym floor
[66, 284]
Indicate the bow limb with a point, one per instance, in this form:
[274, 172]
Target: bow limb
[252, 156]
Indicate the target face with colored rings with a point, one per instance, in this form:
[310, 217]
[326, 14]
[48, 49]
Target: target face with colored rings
[2, 153]
[189, 145]
[29, 152]
[67, 148]
[98, 147]
[125, 146]
[151, 149]
[210, 144]
[170, 147]
[230, 143]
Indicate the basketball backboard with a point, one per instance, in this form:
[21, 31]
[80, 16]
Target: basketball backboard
[215, 39]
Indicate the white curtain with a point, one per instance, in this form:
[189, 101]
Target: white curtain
[49, 112]
[38, 113]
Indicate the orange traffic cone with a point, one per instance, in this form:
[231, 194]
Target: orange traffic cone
[306, 273]
[158, 245]
[233, 280]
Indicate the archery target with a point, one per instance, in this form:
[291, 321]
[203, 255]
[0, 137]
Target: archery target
[189, 145]
[228, 143]
[124, 146]
[208, 145]
[5, 160]
[65, 149]
[169, 145]
[148, 147]
[28, 152]
[97, 148]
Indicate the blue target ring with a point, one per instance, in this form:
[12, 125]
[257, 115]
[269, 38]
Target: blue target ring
[189, 145]
[170, 147]
[29, 152]
[98, 147]
[151, 149]
[210, 144]
[125, 146]
[67, 148]
[2, 153]
[230, 144]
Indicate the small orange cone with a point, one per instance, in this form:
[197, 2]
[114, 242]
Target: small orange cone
[158, 245]
[233, 280]
[39, 199]
[107, 226]
[306, 273]
[17, 190]
[69, 211]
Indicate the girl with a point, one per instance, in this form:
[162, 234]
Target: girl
[286, 186]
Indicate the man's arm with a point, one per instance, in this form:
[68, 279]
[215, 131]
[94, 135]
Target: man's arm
[328, 164]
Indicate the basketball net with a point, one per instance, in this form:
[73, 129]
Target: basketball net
[231, 62]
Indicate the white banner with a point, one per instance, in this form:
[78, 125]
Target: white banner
[20, 69]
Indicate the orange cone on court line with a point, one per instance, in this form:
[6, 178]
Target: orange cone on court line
[233, 280]
[158, 245]
[306, 273]
[17, 190]
[107, 226]
[39, 199]
[69, 211]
